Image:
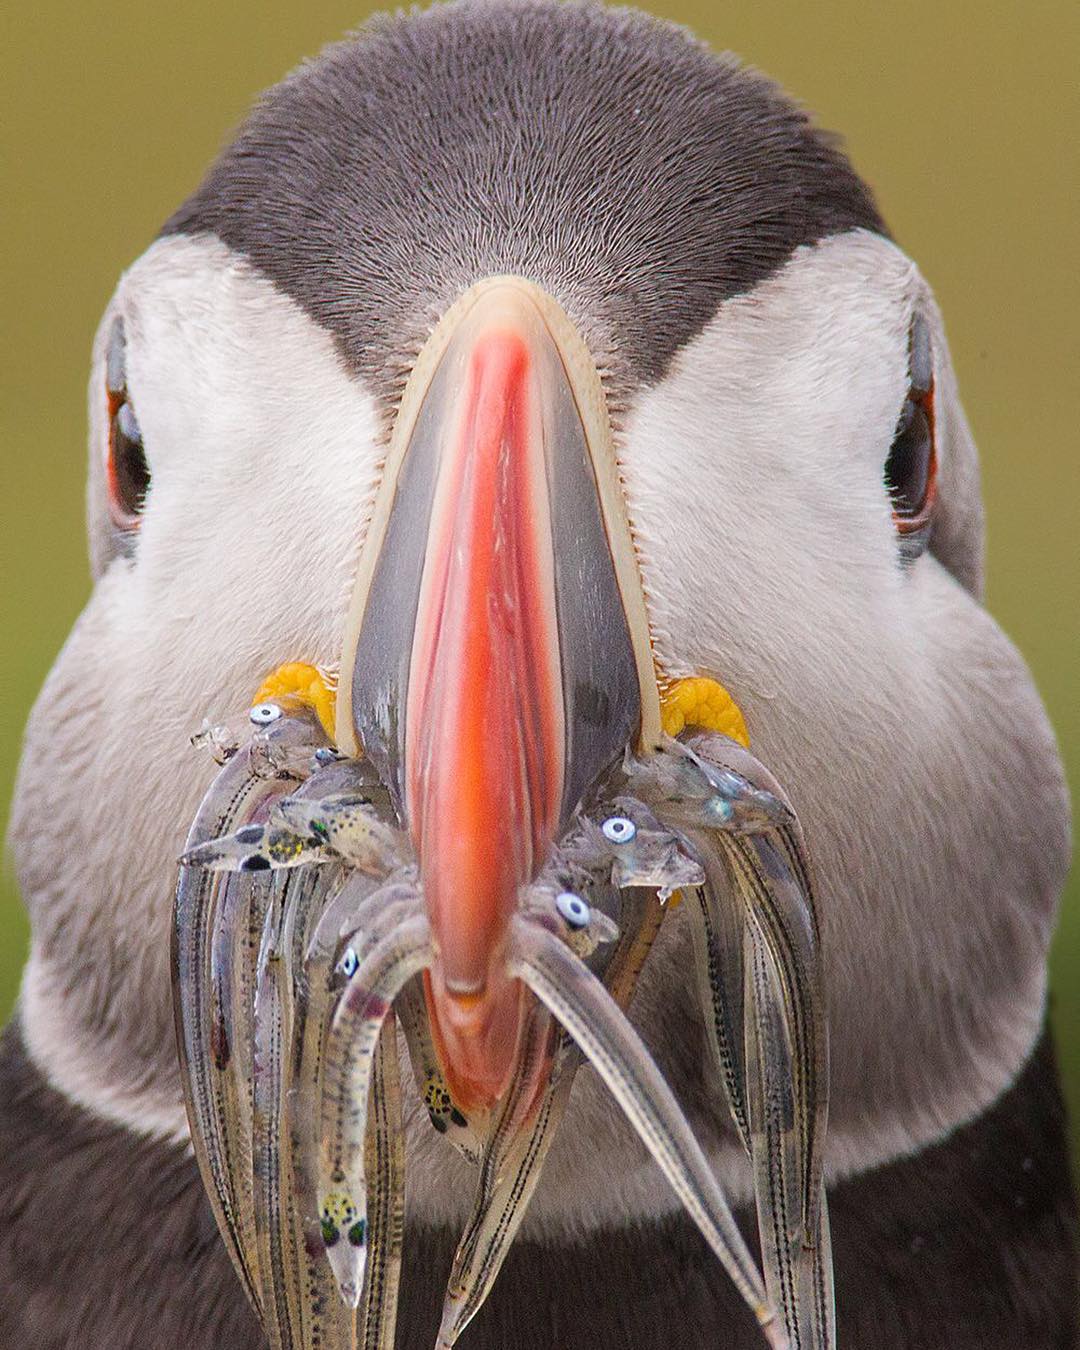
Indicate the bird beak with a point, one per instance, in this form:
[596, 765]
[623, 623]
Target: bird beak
[497, 653]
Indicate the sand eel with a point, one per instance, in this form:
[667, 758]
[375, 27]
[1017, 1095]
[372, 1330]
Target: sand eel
[619, 241]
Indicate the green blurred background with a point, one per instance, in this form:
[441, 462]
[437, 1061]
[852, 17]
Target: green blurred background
[964, 117]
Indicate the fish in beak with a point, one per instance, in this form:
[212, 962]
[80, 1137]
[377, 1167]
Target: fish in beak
[497, 655]
[498, 760]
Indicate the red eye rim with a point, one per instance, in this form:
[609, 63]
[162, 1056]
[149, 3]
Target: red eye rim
[127, 475]
[914, 522]
[120, 513]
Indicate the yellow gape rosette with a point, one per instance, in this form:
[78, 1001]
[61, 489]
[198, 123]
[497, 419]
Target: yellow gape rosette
[308, 685]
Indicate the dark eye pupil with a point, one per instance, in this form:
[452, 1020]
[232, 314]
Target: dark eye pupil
[129, 474]
[909, 469]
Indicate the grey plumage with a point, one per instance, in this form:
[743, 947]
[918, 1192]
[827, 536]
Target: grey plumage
[108, 1241]
[601, 153]
[644, 183]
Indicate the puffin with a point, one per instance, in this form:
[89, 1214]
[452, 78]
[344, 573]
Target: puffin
[802, 491]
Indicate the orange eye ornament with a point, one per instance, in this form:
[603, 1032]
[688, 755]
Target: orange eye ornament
[911, 468]
[127, 473]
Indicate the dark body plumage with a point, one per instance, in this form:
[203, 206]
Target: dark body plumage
[641, 182]
[108, 1241]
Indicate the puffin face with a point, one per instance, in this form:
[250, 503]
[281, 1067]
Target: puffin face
[684, 397]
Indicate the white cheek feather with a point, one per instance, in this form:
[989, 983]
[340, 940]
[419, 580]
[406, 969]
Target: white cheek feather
[264, 454]
[759, 460]
[885, 699]
[894, 710]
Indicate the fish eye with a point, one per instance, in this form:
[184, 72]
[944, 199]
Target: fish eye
[264, 713]
[911, 468]
[573, 909]
[618, 829]
[127, 473]
[349, 963]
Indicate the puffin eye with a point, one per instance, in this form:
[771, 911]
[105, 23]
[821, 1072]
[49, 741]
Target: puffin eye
[618, 829]
[349, 963]
[264, 713]
[126, 470]
[573, 909]
[911, 468]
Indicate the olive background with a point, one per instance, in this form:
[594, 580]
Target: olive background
[964, 117]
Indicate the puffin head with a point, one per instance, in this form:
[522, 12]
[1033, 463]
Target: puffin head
[509, 359]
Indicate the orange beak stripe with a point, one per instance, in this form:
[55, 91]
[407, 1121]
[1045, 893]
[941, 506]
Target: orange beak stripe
[485, 741]
[496, 655]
